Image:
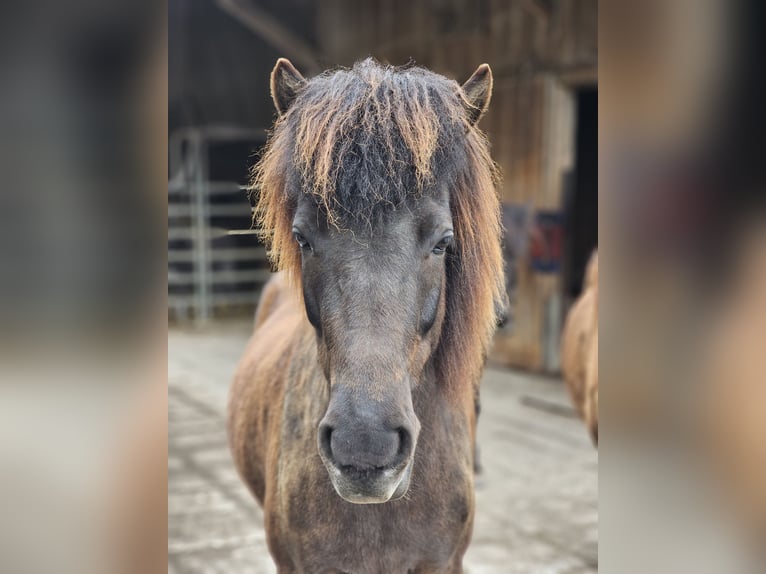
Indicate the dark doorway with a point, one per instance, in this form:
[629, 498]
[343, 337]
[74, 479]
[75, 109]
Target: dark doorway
[581, 196]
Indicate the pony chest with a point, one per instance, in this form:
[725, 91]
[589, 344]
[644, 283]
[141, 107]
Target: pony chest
[384, 542]
[323, 532]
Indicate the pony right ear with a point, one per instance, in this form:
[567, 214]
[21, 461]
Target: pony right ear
[286, 82]
[477, 92]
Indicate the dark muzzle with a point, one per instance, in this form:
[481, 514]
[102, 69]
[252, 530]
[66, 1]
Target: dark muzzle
[367, 446]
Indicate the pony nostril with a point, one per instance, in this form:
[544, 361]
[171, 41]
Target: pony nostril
[325, 441]
[405, 444]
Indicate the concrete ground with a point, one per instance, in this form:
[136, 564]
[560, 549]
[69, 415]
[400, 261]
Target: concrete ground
[537, 509]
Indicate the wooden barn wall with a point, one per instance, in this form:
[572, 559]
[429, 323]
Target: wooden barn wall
[538, 51]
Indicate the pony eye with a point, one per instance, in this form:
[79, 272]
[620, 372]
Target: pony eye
[301, 240]
[441, 247]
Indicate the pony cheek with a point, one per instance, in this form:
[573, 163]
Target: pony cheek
[312, 309]
[424, 348]
[324, 361]
[429, 310]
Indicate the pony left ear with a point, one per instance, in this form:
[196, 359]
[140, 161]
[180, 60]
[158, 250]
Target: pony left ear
[286, 82]
[477, 92]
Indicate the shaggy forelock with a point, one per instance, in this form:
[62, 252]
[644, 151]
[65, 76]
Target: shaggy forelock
[370, 137]
[365, 140]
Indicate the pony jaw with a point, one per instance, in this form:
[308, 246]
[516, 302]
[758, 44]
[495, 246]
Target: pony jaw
[373, 486]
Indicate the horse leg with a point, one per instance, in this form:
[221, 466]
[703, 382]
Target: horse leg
[477, 468]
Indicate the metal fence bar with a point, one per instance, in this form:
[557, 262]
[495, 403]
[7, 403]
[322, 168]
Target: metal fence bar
[210, 265]
[201, 243]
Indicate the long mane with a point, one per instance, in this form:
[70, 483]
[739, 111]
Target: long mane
[365, 140]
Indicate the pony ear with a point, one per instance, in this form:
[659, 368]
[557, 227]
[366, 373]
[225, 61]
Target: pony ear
[477, 92]
[286, 82]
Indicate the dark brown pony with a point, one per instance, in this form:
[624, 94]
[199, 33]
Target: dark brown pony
[351, 416]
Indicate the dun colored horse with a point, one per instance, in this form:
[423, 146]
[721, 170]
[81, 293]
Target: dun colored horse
[351, 416]
[579, 350]
[734, 395]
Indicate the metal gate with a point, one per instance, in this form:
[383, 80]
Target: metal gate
[215, 264]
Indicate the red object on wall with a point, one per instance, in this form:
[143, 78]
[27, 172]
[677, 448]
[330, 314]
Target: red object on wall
[547, 242]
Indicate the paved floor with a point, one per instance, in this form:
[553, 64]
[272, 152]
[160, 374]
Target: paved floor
[537, 509]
